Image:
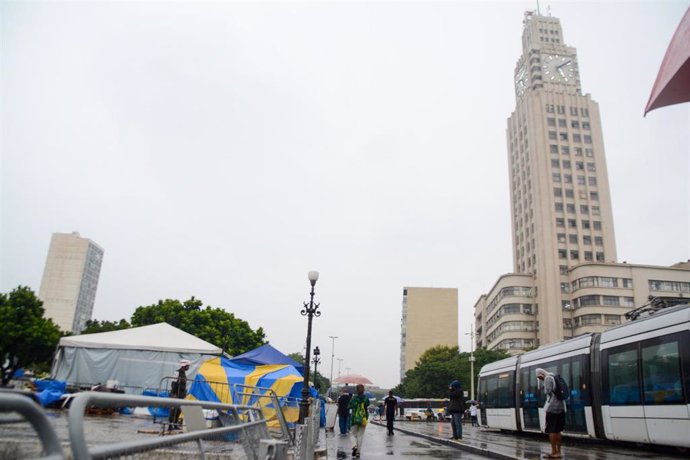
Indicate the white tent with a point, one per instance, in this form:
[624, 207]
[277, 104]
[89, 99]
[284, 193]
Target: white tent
[136, 358]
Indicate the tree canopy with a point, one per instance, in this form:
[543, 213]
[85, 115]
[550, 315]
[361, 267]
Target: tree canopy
[93, 326]
[438, 366]
[27, 339]
[213, 325]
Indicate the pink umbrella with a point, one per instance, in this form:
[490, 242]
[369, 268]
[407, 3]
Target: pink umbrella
[672, 85]
[353, 379]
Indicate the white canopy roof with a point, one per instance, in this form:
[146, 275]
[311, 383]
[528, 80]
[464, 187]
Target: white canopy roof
[159, 337]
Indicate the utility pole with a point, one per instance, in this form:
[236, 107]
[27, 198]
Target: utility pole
[332, 337]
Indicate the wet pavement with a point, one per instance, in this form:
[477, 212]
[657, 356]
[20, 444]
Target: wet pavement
[508, 446]
[377, 444]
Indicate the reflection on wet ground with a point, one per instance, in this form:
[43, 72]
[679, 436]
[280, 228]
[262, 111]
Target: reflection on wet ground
[533, 446]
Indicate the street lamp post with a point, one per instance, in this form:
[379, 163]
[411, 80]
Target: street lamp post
[471, 334]
[310, 310]
[340, 362]
[330, 382]
[316, 362]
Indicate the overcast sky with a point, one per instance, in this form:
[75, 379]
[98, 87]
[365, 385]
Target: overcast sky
[224, 149]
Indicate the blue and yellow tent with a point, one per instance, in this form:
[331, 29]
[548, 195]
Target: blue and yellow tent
[222, 380]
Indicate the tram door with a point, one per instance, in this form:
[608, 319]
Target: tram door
[529, 402]
[573, 373]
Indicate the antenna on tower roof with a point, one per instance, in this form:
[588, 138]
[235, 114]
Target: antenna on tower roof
[538, 13]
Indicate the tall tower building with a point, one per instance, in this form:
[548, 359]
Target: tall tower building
[429, 319]
[70, 279]
[566, 280]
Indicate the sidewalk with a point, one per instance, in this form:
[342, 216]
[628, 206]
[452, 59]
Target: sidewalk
[508, 446]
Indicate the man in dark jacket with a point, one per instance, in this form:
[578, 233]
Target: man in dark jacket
[178, 390]
[389, 405]
[343, 410]
[455, 408]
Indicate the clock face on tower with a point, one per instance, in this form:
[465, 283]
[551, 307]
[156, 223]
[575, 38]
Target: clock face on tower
[558, 69]
[521, 80]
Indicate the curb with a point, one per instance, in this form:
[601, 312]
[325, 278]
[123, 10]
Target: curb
[457, 444]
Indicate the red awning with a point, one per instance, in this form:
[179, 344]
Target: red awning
[672, 85]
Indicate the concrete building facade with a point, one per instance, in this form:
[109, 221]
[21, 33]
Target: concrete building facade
[566, 280]
[70, 280]
[429, 319]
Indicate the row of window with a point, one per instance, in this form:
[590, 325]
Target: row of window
[570, 193]
[579, 165]
[562, 123]
[602, 281]
[669, 286]
[565, 150]
[586, 239]
[509, 291]
[568, 179]
[591, 320]
[513, 326]
[602, 300]
[512, 308]
[574, 254]
[572, 223]
[515, 344]
[570, 208]
[574, 111]
[577, 137]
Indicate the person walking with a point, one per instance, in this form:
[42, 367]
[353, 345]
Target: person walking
[555, 412]
[344, 411]
[389, 405]
[358, 406]
[455, 408]
[178, 389]
[473, 414]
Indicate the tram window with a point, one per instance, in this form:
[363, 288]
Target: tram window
[623, 383]
[492, 391]
[661, 373]
[504, 391]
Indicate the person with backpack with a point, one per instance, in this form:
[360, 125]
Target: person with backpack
[358, 408]
[554, 408]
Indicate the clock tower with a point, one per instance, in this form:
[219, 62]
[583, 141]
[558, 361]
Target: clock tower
[560, 200]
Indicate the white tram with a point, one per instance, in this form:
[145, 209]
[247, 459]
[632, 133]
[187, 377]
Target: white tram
[629, 383]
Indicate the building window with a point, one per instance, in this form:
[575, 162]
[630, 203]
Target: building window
[588, 300]
[565, 150]
[577, 138]
[578, 151]
[596, 211]
[570, 208]
[669, 286]
[575, 124]
[550, 121]
[597, 225]
[588, 139]
[594, 196]
[561, 109]
[610, 300]
[628, 301]
[557, 192]
[600, 256]
[585, 125]
[560, 222]
[567, 178]
[584, 112]
[592, 181]
[552, 135]
[560, 237]
[586, 239]
[612, 320]
[556, 177]
[581, 180]
[588, 320]
[553, 148]
[584, 209]
[591, 167]
[585, 224]
[561, 123]
[572, 238]
[588, 256]
[589, 152]
[566, 164]
[554, 164]
[563, 269]
[627, 283]
[558, 206]
[569, 193]
[574, 255]
[549, 108]
[572, 223]
[598, 241]
[562, 254]
[563, 136]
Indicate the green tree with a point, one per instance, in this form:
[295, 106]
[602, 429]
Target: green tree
[213, 325]
[93, 326]
[27, 339]
[438, 366]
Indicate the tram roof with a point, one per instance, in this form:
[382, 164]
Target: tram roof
[672, 316]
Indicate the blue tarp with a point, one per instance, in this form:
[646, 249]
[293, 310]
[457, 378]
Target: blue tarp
[49, 391]
[266, 354]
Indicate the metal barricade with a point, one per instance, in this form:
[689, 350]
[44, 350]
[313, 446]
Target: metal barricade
[250, 423]
[33, 413]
